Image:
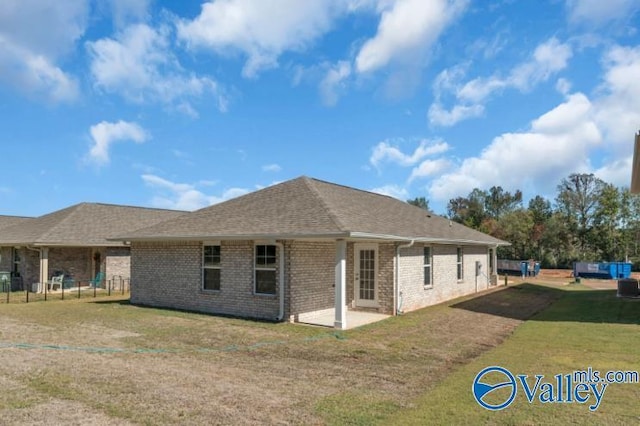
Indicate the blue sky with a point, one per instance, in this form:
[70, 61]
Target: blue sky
[185, 104]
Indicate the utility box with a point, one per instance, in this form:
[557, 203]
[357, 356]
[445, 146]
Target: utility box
[5, 281]
[628, 287]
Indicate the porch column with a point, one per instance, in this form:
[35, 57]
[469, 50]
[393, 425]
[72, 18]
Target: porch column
[44, 267]
[341, 285]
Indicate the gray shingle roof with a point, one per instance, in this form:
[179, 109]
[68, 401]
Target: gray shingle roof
[311, 208]
[84, 224]
[7, 221]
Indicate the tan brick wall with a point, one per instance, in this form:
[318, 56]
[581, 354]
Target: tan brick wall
[311, 277]
[74, 262]
[444, 269]
[170, 275]
[5, 259]
[29, 267]
[117, 266]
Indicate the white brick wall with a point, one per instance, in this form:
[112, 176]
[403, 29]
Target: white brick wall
[444, 269]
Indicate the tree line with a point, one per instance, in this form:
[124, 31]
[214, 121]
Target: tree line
[588, 220]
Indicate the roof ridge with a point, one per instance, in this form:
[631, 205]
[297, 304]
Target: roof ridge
[366, 191]
[129, 206]
[308, 181]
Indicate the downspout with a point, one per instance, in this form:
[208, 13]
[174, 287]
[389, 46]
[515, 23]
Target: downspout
[397, 305]
[280, 247]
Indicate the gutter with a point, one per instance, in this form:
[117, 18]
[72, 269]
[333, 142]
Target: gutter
[397, 305]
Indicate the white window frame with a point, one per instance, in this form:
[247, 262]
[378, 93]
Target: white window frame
[214, 266]
[427, 265]
[460, 264]
[266, 267]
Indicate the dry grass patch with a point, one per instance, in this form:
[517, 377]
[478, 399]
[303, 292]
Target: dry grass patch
[121, 363]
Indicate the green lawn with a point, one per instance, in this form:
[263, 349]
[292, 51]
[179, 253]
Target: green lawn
[583, 328]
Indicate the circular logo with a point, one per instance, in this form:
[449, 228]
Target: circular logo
[482, 389]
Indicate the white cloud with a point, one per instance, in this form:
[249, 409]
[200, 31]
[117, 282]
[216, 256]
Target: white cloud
[392, 190]
[442, 117]
[618, 107]
[334, 82]
[261, 30]
[126, 11]
[563, 86]
[184, 196]
[547, 59]
[104, 134]
[407, 29]
[34, 37]
[271, 168]
[617, 172]
[598, 12]
[388, 152]
[138, 65]
[556, 144]
[430, 168]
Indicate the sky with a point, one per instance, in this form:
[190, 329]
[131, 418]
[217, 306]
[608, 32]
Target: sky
[185, 104]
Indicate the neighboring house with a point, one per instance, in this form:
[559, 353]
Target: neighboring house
[73, 241]
[6, 253]
[304, 247]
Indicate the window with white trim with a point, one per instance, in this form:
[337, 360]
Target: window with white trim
[428, 278]
[211, 266]
[460, 263]
[265, 269]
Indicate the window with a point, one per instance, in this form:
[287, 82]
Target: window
[265, 267]
[427, 267]
[460, 264]
[211, 267]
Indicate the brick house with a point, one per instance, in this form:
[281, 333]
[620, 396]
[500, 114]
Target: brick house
[72, 241]
[305, 247]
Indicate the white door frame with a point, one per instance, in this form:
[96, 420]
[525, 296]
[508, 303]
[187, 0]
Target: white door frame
[365, 303]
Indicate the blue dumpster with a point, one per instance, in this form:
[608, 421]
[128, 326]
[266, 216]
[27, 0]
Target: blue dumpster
[524, 266]
[602, 270]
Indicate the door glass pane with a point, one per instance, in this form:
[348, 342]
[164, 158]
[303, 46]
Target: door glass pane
[367, 274]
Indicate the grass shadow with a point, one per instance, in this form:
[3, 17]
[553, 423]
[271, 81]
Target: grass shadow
[519, 302]
[574, 303]
[123, 302]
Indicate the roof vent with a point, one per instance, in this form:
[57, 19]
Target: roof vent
[450, 223]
